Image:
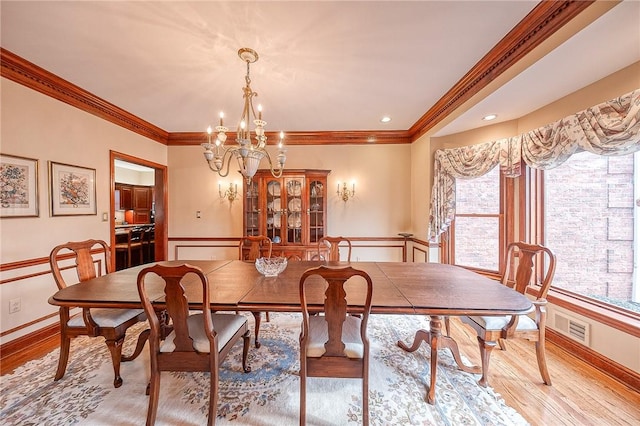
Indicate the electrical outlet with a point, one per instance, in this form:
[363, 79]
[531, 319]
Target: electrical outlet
[14, 305]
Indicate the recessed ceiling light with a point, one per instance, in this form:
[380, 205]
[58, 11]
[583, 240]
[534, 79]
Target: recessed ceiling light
[490, 117]
[385, 119]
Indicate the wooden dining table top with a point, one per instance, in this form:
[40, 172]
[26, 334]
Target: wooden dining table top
[399, 288]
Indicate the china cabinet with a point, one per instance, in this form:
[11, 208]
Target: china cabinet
[291, 210]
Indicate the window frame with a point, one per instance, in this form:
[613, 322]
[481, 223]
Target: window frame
[531, 220]
[506, 223]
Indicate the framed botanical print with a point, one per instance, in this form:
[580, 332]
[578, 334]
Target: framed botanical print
[18, 186]
[72, 190]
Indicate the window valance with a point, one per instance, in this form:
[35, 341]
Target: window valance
[610, 128]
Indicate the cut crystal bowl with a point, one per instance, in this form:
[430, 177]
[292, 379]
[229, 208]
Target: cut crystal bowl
[271, 266]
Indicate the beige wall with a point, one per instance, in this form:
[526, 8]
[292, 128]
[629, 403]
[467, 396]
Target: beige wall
[37, 126]
[381, 174]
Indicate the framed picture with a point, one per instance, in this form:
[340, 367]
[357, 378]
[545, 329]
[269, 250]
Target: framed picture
[18, 186]
[73, 190]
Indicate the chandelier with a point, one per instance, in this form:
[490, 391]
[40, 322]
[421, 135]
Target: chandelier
[247, 153]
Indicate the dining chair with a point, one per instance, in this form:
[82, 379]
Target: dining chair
[491, 329]
[111, 324]
[252, 247]
[134, 242]
[197, 342]
[333, 340]
[332, 244]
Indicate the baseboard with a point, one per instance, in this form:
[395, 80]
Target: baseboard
[21, 348]
[595, 359]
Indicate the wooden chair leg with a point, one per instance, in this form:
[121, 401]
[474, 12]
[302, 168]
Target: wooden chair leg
[303, 393]
[542, 361]
[154, 394]
[503, 344]
[115, 347]
[485, 354]
[267, 315]
[213, 396]
[365, 400]
[257, 317]
[65, 346]
[447, 326]
[246, 342]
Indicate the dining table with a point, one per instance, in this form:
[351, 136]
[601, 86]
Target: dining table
[402, 288]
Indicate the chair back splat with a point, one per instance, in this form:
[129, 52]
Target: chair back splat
[333, 340]
[181, 341]
[254, 246]
[111, 324]
[332, 244]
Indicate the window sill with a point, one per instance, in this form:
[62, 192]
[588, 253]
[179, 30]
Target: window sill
[619, 319]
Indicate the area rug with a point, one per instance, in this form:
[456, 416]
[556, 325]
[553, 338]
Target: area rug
[268, 395]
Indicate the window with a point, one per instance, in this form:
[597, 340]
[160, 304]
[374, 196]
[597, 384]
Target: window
[590, 222]
[476, 231]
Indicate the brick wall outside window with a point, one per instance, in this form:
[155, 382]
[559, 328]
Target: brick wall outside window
[589, 224]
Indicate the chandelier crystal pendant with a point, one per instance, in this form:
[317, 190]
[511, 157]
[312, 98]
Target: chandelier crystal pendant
[248, 153]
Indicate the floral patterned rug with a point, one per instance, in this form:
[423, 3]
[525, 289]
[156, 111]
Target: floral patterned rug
[268, 395]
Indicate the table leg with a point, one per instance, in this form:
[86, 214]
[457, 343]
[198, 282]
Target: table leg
[436, 340]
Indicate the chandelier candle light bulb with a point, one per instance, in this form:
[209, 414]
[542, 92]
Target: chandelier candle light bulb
[247, 153]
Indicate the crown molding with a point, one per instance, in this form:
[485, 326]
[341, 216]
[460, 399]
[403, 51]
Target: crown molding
[541, 23]
[360, 137]
[17, 69]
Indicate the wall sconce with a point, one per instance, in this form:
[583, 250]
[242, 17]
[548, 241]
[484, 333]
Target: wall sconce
[345, 193]
[230, 194]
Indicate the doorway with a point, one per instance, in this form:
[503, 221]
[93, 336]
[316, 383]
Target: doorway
[159, 201]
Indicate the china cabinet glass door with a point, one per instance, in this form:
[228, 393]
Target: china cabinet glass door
[252, 209]
[294, 196]
[275, 210]
[316, 210]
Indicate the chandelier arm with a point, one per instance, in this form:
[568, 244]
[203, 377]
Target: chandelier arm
[220, 173]
[275, 172]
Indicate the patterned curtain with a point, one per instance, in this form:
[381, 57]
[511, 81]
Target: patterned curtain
[610, 128]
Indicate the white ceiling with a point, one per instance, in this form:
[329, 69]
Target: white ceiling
[324, 66]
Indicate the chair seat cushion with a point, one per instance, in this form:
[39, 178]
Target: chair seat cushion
[226, 325]
[318, 336]
[106, 317]
[497, 323]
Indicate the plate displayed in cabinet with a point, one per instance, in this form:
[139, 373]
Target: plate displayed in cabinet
[273, 188]
[276, 220]
[276, 205]
[294, 188]
[295, 221]
[295, 205]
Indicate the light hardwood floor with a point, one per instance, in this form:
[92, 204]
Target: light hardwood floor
[580, 394]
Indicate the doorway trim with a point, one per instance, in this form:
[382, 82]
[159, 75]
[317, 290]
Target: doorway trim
[161, 203]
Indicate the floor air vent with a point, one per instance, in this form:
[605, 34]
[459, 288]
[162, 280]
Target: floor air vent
[573, 328]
